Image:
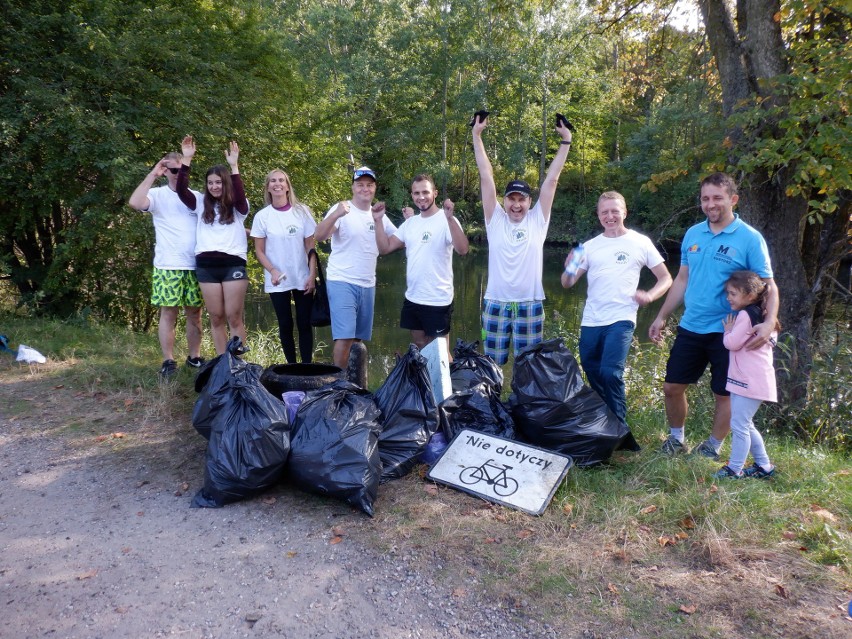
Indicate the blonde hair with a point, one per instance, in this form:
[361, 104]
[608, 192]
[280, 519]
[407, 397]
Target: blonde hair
[295, 205]
[613, 195]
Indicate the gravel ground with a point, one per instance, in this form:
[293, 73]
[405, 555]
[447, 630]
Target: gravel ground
[96, 545]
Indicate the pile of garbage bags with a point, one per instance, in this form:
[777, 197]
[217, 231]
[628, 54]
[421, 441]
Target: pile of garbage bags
[342, 441]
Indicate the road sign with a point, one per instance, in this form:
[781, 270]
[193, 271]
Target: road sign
[501, 470]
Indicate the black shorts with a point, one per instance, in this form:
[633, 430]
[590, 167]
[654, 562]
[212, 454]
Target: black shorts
[434, 321]
[690, 354]
[219, 274]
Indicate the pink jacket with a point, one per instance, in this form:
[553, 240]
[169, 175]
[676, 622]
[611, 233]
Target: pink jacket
[750, 373]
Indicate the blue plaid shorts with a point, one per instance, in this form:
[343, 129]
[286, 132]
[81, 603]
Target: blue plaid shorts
[520, 322]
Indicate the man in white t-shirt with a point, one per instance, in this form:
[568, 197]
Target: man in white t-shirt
[429, 239]
[614, 261]
[513, 307]
[351, 272]
[174, 283]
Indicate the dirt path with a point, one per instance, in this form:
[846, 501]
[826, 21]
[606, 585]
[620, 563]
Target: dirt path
[97, 540]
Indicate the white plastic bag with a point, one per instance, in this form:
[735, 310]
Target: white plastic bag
[30, 355]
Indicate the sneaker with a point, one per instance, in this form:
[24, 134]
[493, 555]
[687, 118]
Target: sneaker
[757, 472]
[168, 369]
[725, 472]
[673, 447]
[195, 362]
[705, 449]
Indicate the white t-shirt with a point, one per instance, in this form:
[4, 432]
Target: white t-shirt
[516, 256]
[285, 233]
[225, 238]
[353, 247]
[613, 265]
[429, 256]
[174, 228]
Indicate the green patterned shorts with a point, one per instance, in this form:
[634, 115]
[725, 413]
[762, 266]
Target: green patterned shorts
[175, 288]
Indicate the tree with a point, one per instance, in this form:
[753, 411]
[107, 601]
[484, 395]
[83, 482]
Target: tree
[784, 78]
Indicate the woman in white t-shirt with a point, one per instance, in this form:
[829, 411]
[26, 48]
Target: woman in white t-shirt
[221, 243]
[283, 233]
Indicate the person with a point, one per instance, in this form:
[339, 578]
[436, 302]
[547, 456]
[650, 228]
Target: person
[283, 233]
[351, 272]
[710, 251]
[751, 376]
[513, 307]
[613, 261]
[221, 245]
[429, 238]
[173, 282]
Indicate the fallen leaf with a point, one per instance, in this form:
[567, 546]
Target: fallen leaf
[432, 489]
[687, 522]
[647, 510]
[184, 486]
[118, 435]
[843, 473]
[612, 588]
[291, 554]
[141, 513]
[492, 540]
[781, 591]
[128, 403]
[687, 609]
[666, 540]
[58, 386]
[822, 513]
[459, 592]
[142, 483]
[701, 480]
[121, 609]
[335, 540]
[338, 531]
[87, 575]
[788, 534]
[681, 535]
[101, 438]
[714, 488]
[269, 500]
[526, 533]
[568, 508]
[125, 550]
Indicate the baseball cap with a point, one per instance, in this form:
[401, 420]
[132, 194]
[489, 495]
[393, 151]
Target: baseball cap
[364, 172]
[518, 186]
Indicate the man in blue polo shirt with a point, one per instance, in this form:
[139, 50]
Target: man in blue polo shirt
[710, 252]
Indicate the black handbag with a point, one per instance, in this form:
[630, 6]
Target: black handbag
[320, 311]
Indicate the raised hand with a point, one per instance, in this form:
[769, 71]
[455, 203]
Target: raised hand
[449, 208]
[232, 154]
[187, 148]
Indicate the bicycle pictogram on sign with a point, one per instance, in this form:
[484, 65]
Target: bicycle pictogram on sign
[493, 475]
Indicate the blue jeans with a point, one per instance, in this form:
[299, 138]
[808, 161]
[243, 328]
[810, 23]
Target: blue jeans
[603, 351]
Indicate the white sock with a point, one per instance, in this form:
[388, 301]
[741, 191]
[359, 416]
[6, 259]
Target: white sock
[677, 433]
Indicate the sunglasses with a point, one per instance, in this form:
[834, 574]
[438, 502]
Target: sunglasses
[173, 171]
[360, 174]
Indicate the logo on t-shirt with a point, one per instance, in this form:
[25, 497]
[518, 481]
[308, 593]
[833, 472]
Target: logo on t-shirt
[371, 227]
[292, 230]
[693, 249]
[621, 257]
[427, 235]
[519, 236]
[725, 254]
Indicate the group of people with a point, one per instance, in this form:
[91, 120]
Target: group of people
[725, 281]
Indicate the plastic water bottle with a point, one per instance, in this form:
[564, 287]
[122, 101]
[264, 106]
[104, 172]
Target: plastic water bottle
[576, 262]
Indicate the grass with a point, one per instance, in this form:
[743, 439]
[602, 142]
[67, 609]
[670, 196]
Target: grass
[635, 545]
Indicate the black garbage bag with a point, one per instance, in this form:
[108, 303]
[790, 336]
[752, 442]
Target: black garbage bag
[214, 376]
[249, 437]
[477, 408]
[334, 445]
[469, 368]
[554, 409]
[409, 414]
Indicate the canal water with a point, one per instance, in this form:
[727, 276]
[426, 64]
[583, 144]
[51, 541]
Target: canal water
[470, 274]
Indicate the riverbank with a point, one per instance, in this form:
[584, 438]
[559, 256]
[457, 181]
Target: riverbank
[97, 538]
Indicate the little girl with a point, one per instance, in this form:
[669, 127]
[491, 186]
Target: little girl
[751, 376]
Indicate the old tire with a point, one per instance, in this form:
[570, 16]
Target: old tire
[280, 378]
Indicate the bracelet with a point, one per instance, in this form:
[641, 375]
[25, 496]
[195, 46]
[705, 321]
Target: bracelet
[565, 142]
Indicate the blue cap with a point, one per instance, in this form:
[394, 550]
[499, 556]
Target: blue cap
[518, 186]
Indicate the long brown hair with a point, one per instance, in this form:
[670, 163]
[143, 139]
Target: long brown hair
[750, 283]
[225, 202]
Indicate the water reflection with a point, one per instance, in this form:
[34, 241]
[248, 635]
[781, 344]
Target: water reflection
[470, 278]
